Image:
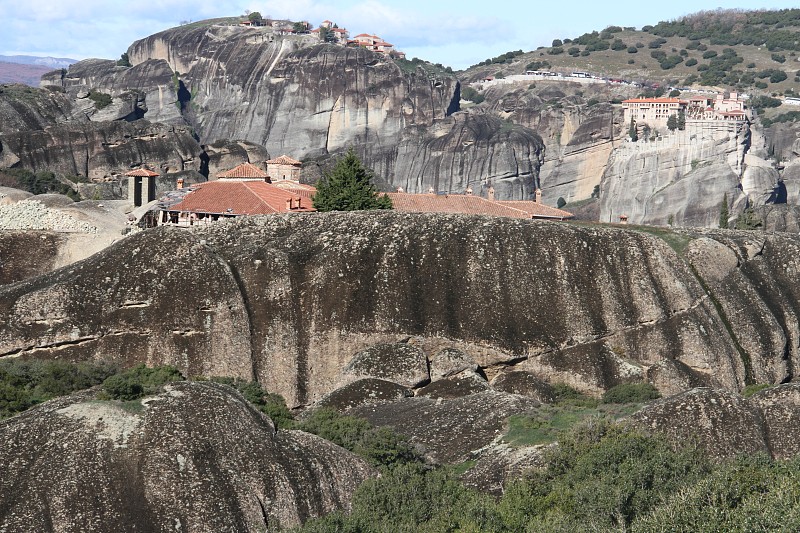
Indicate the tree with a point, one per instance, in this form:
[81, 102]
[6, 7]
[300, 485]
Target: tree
[347, 187]
[632, 131]
[724, 214]
[255, 18]
[300, 27]
[672, 122]
[123, 60]
[681, 120]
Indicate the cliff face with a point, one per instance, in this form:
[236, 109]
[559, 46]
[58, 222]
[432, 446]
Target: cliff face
[683, 177]
[146, 89]
[196, 457]
[578, 138]
[295, 96]
[289, 300]
[100, 150]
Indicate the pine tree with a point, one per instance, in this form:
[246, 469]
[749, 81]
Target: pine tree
[672, 123]
[723, 212]
[681, 120]
[632, 132]
[347, 187]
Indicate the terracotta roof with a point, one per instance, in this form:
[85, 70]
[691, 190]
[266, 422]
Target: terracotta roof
[652, 101]
[245, 170]
[471, 205]
[283, 160]
[537, 210]
[239, 198]
[141, 173]
[300, 189]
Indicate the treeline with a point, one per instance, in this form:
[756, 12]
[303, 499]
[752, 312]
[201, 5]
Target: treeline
[773, 29]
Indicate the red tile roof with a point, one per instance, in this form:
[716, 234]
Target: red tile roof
[652, 101]
[300, 189]
[141, 173]
[239, 198]
[472, 205]
[245, 170]
[284, 160]
[537, 210]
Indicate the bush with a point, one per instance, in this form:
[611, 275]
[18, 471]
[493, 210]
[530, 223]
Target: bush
[691, 62]
[24, 384]
[379, 446]
[471, 95]
[779, 58]
[140, 381]
[709, 54]
[101, 100]
[631, 393]
[556, 50]
[632, 50]
[272, 405]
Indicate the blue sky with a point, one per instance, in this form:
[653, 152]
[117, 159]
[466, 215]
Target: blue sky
[456, 33]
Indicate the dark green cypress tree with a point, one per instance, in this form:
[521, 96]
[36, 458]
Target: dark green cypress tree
[348, 187]
[724, 214]
[632, 131]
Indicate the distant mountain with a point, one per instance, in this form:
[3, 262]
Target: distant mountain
[49, 62]
[19, 73]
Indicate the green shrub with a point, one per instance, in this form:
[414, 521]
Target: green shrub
[749, 390]
[379, 446]
[631, 393]
[101, 100]
[272, 405]
[25, 383]
[139, 381]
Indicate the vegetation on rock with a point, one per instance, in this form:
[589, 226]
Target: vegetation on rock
[139, 381]
[25, 383]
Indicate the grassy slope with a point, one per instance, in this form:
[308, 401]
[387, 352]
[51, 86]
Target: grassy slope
[615, 64]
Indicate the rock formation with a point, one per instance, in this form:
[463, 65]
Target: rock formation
[101, 150]
[196, 457]
[295, 96]
[727, 425]
[681, 178]
[289, 300]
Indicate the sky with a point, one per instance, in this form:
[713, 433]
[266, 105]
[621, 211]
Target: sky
[457, 33]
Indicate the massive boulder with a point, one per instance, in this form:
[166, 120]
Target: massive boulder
[289, 299]
[196, 457]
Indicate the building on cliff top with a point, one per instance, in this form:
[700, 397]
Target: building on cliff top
[656, 111]
[241, 191]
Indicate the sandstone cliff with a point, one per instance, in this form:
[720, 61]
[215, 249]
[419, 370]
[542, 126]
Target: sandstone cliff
[289, 300]
[682, 177]
[101, 150]
[293, 95]
[578, 137]
[196, 457]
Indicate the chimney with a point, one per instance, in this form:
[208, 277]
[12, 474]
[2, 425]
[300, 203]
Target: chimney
[180, 183]
[400, 189]
[298, 202]
[538, 196]
[490, 193]
[431, 190]
[288, 204]
[468, 192]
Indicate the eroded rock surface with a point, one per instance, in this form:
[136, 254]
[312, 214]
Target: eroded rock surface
[197, 457]
[289, 299]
